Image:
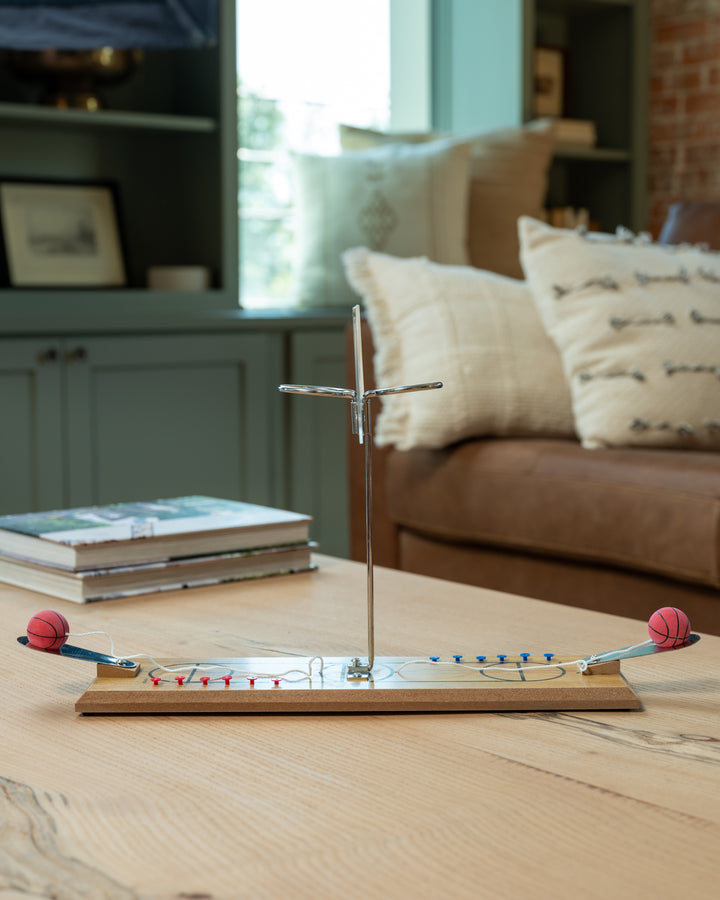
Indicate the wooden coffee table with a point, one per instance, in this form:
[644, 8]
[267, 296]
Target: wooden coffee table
[569, 804]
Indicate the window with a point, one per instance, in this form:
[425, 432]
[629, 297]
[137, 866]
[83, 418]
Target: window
[303, 67]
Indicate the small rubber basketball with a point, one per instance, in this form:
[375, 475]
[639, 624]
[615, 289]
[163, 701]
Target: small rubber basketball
[48, 630]
[669, 627]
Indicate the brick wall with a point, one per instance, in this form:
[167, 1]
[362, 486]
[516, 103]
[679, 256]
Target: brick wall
[684, 156]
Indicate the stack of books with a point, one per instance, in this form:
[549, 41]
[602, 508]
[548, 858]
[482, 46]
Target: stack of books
[98, 552]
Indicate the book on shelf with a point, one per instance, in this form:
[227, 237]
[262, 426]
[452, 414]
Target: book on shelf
[575, 132]
[83, 586]
[568, 217]
[123, 534]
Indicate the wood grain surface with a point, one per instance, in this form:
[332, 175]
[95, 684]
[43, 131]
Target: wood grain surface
[568, 804]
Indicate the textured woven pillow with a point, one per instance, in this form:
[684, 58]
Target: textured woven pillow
[638, 328]
[477, 332]
[398, 198]
[508, 179]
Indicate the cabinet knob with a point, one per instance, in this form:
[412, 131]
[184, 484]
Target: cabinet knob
[46, 356]
[78, 354]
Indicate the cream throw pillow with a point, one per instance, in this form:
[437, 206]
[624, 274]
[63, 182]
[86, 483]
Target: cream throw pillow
[508, 179]
[398, 198]
[477, 332]
[638, 328]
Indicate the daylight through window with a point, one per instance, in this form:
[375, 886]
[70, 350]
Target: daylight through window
[303, 68]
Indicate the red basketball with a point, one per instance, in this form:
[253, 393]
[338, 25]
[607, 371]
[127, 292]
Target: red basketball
[48, 630]
[669, 627]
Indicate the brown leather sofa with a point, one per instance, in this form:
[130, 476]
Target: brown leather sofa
[625, 531]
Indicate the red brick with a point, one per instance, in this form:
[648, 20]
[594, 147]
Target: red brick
[661, 182]
[684, 125]
[702, 102]
[697, 130]
[673, 7]
[703, 154]
[700, 127]
[669, 103]
[683, 79]
[672, 30]
[666, 130]
[701, 51]
[662, 57]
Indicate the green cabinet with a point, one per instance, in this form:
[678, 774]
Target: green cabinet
[605, 50]
[101, 419]
[31, 425]
[90, 419]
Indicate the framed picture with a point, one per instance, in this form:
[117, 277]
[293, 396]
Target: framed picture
[548, 82]
[61, 234]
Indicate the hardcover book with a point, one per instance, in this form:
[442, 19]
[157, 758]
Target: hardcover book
[122, 534]
[580, 132]
[122, 581]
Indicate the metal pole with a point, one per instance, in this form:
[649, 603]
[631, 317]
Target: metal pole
[362, 426]
[368, 532]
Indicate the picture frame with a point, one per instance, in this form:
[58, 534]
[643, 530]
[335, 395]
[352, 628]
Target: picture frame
[548, 81]
[61, 234]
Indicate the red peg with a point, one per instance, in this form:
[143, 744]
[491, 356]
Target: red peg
[252, 682]
[205, 679]
[276, 682]
[227, 679]
[180, 679]
[156, 681]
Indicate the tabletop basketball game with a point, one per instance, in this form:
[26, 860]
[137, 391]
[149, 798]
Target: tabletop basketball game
[523, 681]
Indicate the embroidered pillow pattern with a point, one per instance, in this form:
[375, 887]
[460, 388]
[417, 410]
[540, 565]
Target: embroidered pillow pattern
[637, 325]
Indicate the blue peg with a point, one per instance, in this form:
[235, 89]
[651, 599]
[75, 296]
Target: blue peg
[481, 658]
[548, 656]
[502, 657]
[457, 657]
[434, 658]
[525, 656]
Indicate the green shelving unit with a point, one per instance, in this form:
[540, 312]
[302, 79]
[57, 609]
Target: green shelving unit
[605, 44]
[167, 141]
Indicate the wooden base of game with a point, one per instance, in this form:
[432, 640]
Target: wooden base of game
[420, 687]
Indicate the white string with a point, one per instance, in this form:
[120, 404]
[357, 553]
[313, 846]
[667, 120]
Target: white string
[582, 663]
[482, 668]
[281, 676]
[87, 633]
[304, 675]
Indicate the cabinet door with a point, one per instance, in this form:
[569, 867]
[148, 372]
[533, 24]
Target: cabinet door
[319, 428]
[167, 416]
[31, 447]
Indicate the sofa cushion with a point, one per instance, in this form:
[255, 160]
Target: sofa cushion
[638, 329]
[402, 199]
[477, 332]
[508, 178]
[637, 509]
